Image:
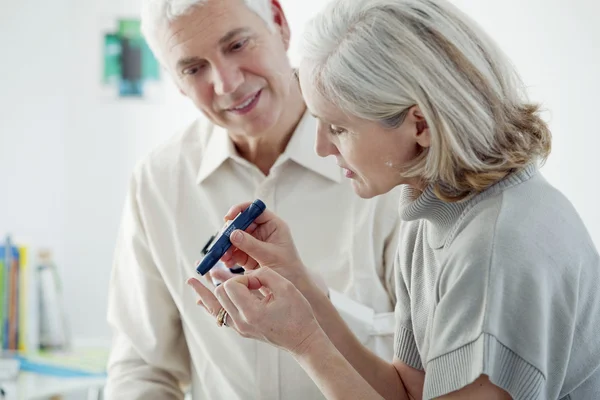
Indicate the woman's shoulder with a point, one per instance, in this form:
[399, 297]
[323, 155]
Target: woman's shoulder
[532, 222]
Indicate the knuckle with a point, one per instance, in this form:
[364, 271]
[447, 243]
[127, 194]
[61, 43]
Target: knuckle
[243, 333]
[227, 285]
[219, 290]
[289, 287]
[213, 310]
[252, 318]
[244, 330]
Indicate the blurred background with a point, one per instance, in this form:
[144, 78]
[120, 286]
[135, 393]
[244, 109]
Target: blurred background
[69, 140]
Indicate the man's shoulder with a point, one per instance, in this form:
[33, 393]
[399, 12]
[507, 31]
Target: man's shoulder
[185, 146]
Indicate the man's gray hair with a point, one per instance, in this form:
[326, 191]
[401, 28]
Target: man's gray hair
[156, 14]
[375, 59]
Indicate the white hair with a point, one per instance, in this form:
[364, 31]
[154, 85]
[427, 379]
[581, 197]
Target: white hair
[156, 14]
[375, 59]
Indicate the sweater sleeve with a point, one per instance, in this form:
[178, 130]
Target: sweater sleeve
[405, 345]
[506, 309]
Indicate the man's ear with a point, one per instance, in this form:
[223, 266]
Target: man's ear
[421, 127]
[281, 23]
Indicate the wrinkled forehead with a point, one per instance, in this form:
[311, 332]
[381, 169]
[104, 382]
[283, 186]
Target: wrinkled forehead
[204, 26]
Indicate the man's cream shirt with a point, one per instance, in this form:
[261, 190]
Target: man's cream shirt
[177, 199]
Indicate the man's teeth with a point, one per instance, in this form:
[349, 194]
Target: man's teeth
[246, 104]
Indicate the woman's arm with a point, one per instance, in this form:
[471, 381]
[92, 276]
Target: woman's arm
[285, 319]
[380, 374]
[268, 243]
[334, 375]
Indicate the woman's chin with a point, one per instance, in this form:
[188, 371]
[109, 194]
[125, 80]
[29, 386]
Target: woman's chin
[366, 191]
[363, 191]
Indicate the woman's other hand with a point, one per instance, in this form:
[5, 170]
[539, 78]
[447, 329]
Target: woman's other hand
[283, 317]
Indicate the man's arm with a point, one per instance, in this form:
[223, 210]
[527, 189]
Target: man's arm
[149, 356]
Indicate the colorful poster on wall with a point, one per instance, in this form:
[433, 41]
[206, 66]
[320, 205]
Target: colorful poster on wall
[129, 65]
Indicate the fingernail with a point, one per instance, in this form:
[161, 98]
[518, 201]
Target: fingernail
[236, 237]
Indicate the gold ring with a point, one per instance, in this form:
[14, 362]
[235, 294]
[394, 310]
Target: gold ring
[221, 316]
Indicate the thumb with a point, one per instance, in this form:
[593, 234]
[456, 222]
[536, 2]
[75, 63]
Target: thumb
[250, 245]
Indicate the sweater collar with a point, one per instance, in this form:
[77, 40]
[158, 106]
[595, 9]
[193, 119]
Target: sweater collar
[441, 216]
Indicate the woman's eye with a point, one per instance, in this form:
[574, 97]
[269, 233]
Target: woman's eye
[335, 130]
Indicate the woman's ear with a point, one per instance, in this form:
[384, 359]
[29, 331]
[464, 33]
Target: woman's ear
[421, 127]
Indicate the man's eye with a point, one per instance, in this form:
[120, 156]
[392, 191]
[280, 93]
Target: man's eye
[192, 70]
[237, 46]
[335, 130]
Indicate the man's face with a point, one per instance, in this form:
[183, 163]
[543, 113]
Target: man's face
[226, 60]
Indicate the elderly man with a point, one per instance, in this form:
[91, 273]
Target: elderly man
[256, 141]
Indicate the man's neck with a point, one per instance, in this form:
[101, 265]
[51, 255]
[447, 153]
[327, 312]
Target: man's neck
[263, 151]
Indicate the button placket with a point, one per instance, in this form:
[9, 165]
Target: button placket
[268, 356]
[266, 192]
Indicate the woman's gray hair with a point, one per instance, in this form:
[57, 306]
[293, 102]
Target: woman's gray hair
[156, 14]
[375, 59]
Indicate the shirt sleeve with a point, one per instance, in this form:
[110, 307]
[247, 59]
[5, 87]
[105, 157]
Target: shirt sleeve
[149, 357]
[374, 330]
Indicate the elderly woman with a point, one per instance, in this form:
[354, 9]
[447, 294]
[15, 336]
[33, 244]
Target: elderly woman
[496, 275]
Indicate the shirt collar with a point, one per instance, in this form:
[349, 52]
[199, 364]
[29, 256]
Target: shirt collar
[218, 149]
[300, 149]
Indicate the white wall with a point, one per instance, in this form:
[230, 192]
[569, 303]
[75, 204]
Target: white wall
[70, 189]
[33, 122]
[555, 45]
[104, 140]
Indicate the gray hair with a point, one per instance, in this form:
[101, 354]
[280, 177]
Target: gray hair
[156, 14]
[375, 59]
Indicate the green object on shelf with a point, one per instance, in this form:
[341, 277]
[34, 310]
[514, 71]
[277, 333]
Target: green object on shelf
[80, 362]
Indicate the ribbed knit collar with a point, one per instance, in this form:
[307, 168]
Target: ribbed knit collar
[442, 216]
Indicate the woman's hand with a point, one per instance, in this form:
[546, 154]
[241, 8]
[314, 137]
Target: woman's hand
[266, 243]
[283, 317]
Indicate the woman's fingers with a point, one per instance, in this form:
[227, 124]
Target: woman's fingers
[228, 255]
[232, 311]
[208, 299]
[264, 280]
[220, 274]
[251, 250]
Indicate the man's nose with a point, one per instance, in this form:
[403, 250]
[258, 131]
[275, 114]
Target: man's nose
[226, 79]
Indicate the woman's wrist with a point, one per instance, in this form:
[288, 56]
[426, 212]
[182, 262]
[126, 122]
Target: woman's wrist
[313, 288]
[315, 344]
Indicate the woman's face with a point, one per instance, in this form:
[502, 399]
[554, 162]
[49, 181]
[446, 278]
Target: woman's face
[370, 154]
